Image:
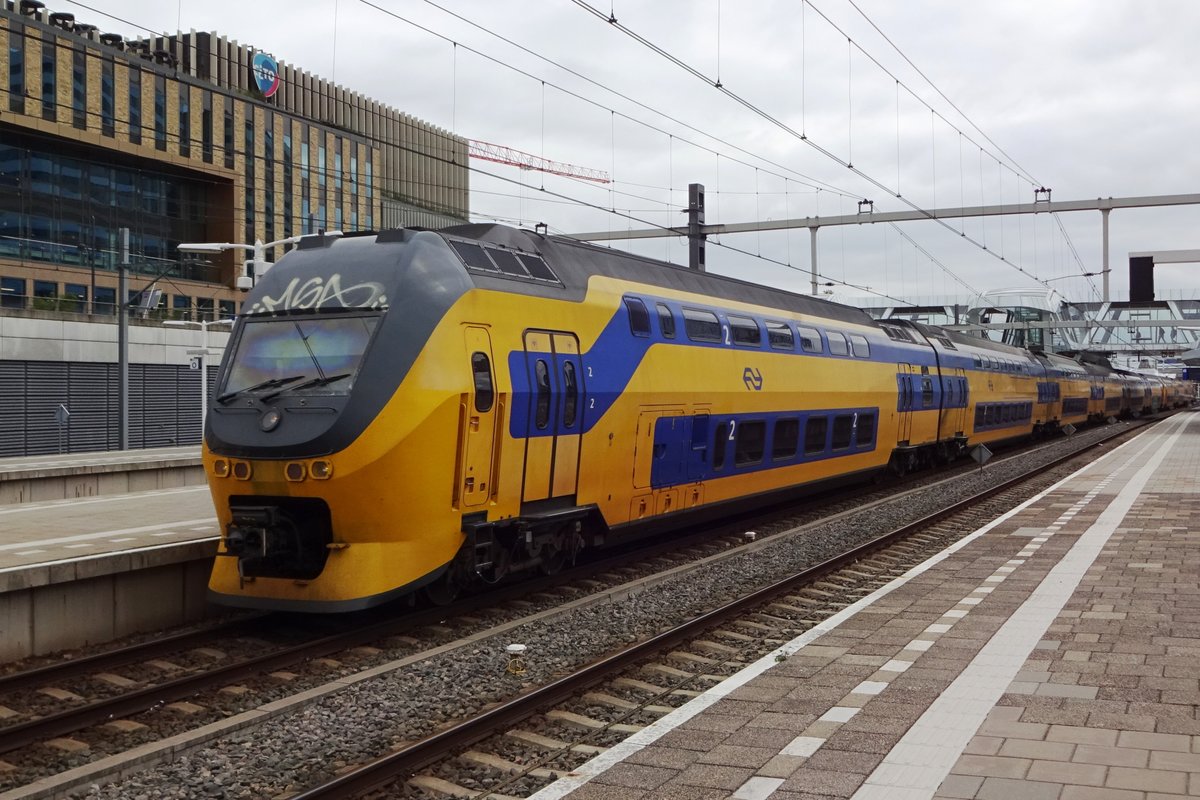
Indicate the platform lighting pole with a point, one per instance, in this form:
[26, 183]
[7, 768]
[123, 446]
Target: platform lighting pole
[253, 267]
[1104, 212]
[202, 354]
[123, 346]
[812, 243]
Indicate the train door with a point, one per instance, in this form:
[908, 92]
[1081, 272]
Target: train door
[570, 401]
[958, 411]
[479, 417]
[906, 399]
[554, 414]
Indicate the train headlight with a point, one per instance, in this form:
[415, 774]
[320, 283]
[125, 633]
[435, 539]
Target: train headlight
[221, 468]
[321, 470]
[270, 419]
[295, 471]
[242, 471]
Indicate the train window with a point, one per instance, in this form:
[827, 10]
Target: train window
[508, 263]
[666, 321]
[978, 416]
[810, 340]
[837, 344]
[786, 438]
[541, 416]
[745, 331]
[978, 362]
[865, 436]
[843, 429]
[719, 446]
[639, 317]
[926, 392]
[570, 394]
[701, 326]
[537, 268]
[473, 256]
[814, 435]
[860, 346]
[749, 443]
[780, 337]
[481, 369]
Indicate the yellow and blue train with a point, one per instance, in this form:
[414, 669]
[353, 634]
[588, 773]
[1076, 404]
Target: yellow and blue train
[428, 409]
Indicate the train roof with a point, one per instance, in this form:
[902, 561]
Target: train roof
[574, 263]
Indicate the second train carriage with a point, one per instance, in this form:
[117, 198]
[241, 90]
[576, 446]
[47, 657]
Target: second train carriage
[424, 409]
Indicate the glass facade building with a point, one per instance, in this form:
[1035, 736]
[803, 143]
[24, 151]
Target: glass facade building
[172, 138]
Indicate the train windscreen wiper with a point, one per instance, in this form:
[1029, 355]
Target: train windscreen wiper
[322, 381]
[267, 384]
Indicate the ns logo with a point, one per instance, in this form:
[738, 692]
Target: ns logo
[753, 379]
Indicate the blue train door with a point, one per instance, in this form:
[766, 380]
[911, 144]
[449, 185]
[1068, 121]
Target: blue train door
[554, 414]
[906, 401]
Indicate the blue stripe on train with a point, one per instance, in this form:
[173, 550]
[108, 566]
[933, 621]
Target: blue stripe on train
[686, 446]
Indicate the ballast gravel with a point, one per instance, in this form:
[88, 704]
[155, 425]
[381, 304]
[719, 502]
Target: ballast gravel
[369, 719]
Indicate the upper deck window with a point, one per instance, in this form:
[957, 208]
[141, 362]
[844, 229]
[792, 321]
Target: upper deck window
[745, 331]
[701, 326]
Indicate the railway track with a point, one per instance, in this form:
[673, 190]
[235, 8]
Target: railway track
[416, 634]
[497, 752]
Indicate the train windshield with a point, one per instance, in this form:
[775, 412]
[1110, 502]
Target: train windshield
[314, 355]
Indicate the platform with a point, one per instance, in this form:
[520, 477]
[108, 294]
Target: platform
[69, 475]
[1052, 655]
[89, 569]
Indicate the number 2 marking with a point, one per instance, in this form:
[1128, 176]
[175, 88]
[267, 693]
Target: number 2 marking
[726, 329]
[589, 372]
[591, 402]
[732, 428]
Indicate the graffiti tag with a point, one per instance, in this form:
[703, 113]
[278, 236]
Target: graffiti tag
[322, 293]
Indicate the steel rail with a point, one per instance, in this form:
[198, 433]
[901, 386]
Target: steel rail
[403, 762]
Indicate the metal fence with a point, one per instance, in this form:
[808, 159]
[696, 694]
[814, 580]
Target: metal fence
[164, 406]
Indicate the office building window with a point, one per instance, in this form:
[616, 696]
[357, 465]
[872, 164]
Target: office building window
[204, 308]
[230, 147]
[288, 223]
[49, 78]
[16, 67]
[74, 298]
[135, 105]
[79, 88]
[337, 166]
[370, 187]
[12, 292]
[227, 309]
[269, 179]
[353, 174]
[321, 165]
[160, 112]
[181, 306]
[185, 120]
[206, 128]
[106, 300]
[108, 115]
[249, 151]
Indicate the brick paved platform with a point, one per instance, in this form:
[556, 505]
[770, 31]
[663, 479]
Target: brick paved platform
[1054, 653]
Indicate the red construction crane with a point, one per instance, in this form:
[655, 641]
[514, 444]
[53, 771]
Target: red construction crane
[500, 154]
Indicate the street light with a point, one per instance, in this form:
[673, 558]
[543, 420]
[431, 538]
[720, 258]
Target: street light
[252, 267]
[202, 354]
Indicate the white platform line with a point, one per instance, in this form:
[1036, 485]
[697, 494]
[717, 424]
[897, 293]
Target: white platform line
[937, 739]
[85, 537]
[25, 508]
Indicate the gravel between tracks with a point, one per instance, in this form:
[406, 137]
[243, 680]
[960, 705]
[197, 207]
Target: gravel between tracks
[370, 718]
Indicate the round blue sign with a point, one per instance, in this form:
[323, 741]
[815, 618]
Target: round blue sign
[266, 73]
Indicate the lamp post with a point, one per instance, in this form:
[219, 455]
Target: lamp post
[252, 267]
[202, 354]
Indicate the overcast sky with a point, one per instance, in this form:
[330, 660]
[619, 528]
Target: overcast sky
[1092, 99]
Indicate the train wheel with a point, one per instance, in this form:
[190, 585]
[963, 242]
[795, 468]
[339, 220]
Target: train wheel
[445, 588]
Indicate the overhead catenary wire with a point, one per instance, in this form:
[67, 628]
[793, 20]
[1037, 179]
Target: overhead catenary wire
[806, 139]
